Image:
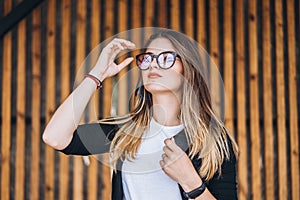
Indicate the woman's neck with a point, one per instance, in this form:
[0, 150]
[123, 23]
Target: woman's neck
[166, 109]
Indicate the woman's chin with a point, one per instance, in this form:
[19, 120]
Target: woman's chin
[153, 86]
[159, 88]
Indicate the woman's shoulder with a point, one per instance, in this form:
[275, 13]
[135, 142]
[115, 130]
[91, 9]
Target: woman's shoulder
[92, 138]
[107, 129]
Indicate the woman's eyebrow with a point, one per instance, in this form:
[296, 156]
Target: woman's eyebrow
[149, 52]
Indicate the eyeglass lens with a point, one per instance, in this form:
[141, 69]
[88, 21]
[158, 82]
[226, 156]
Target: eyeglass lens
[164, 60]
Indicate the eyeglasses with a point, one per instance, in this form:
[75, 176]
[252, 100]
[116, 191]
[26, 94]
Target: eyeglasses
[165, 60]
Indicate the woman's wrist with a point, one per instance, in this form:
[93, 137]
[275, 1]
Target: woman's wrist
[191, 184]
[101, 77]
[95, 79]
[98, 75]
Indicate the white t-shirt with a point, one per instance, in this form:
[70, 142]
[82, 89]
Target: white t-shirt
[142, 177]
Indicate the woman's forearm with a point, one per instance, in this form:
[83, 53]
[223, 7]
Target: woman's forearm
[59, 131]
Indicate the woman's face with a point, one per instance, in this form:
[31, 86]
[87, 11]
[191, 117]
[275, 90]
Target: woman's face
[157, 80]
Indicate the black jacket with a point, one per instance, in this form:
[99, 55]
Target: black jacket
[94, 138]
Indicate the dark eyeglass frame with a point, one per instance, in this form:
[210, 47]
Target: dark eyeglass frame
[156, 56]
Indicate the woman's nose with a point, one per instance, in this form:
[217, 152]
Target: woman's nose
[154, 64]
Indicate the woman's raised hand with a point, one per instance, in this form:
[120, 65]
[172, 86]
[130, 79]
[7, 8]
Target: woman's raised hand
[105, 66]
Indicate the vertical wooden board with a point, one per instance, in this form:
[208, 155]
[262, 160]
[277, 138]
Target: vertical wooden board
[77, 178]
[228, 65]
[149, 12]
[202, 32]
[65, 90]
[80, 36]
[267, 103]
[122, 80]
[107, 88]
[280, 106]
[6, 109]
[189, 19]
[80, 56]
[21, 97]
[95, 18]
[148, 20]
[63, 181]
[109, 24]
[175, 15]
[254, 104]
[35, 104]
[214, 62]
[93, 186]
[65, 48]
[93, 55]
[293, 115]
[201, 27]
[136, 23]
[213, 31]
[162, 13]
[50, 97]
[241, 99]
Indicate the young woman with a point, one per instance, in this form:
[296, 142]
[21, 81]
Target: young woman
[171, 145]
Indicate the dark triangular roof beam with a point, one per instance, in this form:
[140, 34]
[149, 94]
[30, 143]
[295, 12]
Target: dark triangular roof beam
[17, 14]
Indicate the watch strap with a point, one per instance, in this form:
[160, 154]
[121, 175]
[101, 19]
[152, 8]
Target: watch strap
[196, 192]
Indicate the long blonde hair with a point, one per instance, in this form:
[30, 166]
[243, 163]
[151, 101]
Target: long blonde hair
[206, 134]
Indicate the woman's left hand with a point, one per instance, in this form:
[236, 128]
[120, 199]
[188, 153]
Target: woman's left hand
[177, 165]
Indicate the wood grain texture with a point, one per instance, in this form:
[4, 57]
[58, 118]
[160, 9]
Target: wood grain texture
[242, 131]
[107, 91]
[6, 109]
[122, 79]
[254, 102]
[21, 94]
[162, 13]
[65, 90]
[189, 18]
[80, 68]
[201, 26]
[93, 186]
[35, 105]
[175, 15]
[267, 103]
[293, 108]
[228, 66]
[214, 58]
[280, 102]
[50, 97]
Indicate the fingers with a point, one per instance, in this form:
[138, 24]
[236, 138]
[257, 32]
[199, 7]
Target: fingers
[124, 63]
[165, 160]
[170, 143]
[119, 45]
[172, 152]
[167, 150]
[162, 164]
[116, 46]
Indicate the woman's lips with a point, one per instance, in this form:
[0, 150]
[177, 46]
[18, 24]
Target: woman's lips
[153, 75]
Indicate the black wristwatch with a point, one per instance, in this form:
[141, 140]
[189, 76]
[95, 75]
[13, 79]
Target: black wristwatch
[196, 192]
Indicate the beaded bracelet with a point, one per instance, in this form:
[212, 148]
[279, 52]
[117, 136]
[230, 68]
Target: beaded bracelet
[94, 78]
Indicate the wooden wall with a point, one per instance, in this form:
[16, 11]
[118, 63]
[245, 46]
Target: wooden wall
[256, 45]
